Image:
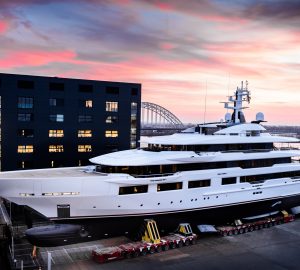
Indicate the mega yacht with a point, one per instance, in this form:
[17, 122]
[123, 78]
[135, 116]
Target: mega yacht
[213, 172]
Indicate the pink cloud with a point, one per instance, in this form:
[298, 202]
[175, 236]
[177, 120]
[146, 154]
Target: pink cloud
[167, 46]
[3, 27]
[35, 58]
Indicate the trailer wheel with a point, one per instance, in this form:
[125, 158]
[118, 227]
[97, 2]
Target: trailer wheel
[166, 247]
[193, 241]
[225, 233]
[144, 252]
[246, 230]
[180, 244]
[251, 229]
[128, 255]
[172, 245]
[187, 242]
[241, 231]
[135, 253]
[152, 249]
[230, 233]
[265, 225]
[261, 226]
[158, 249]
[256, 227]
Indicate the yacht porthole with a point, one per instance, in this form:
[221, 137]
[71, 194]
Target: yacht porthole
[141, 205]
[204, 198]
[119, 205]
[158, 203]
[192, 200]
[180, 201]
[171, 202]
[196, 199]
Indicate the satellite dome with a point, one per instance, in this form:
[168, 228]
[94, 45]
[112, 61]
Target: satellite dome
[260, 116]
[228, 117]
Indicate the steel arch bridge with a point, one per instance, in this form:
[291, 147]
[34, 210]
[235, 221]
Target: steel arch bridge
[154, 116]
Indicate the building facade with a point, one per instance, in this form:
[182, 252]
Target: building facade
[52, 122]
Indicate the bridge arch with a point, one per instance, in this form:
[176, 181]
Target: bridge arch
[155, 115]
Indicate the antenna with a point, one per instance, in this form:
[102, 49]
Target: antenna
[204, 115]
[228, 85]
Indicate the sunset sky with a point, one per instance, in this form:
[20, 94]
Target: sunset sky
[176, 49]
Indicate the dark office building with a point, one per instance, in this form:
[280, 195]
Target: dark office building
[53, 122]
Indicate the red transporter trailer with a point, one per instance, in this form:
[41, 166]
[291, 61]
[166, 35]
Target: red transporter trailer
[239, 227]
[151, 243]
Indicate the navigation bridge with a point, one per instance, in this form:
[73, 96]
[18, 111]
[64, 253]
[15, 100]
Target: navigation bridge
[156, 120]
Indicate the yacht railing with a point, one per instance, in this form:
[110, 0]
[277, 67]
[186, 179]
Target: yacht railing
[248, 151]
[151, 175]
[285, 148]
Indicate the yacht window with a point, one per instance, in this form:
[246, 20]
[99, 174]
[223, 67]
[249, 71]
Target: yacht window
[263, 177]
[169, 186]
[199, 183]
[133, 189]
[228, 180]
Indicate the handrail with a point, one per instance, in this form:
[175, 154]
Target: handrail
[151, 175]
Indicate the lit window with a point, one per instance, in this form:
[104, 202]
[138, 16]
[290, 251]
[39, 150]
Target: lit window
[84, 148]
[56, 148]
[132, 144]
[133, 107]
[111, 119]
[25, 102]
[85, 133]
[56, 133]
[88, 103]
[25, 148]
[56, 117]
[111, 106]
[111, 133]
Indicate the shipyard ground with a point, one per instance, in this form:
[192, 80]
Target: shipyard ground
[276, 248]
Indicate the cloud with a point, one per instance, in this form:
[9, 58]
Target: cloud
[3, 27]
[34, 58]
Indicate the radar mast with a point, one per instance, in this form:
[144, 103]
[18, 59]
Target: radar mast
[235, 103]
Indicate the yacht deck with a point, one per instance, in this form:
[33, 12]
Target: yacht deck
[49, 173]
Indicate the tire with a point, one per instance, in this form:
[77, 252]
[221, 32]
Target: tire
[135, 253]
[180, 244]
[230, 233]
[128, 255]
[172, 245]
[152, 249]
[256, 227]
[144, 252]
[246, 230]
[261, 226]
[193, 242]
[236, 232]
[251, 229]
[241, 231]
[187, 242]
[166, 247]
[158, 249]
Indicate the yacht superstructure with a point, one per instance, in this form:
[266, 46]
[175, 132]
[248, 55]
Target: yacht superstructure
[194, 176]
